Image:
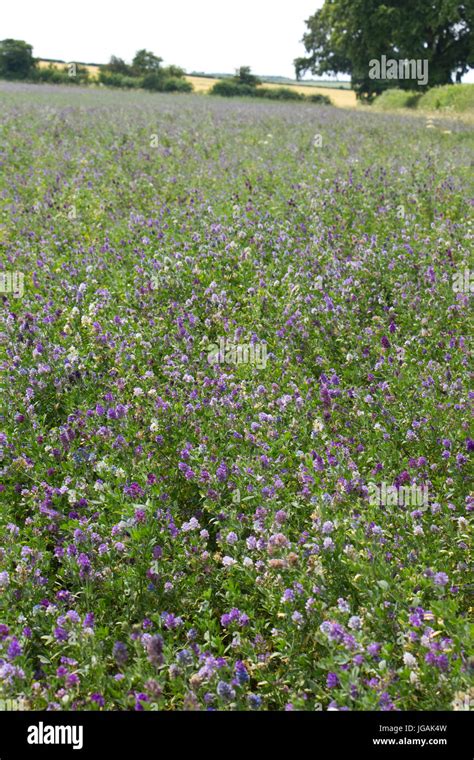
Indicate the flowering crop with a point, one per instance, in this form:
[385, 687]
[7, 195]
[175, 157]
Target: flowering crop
[186, 533]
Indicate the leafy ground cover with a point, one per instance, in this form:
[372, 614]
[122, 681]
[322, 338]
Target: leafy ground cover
[183, 528]
[458, 98]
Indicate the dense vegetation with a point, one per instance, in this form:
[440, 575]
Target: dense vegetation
[186, 529]
[458, 98]
[145, 71]
[345, 35]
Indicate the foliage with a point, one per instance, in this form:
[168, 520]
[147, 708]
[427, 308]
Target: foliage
[459, 97]
[345, 35]
[16, 59]
[145, 63]
[231, 89]
[68, 74]
[395, 98]
[319, 98]
[111, 79]
[243, 75]
[456, 97]
[177, 84]
[162, 82]
[184, 533]
[117, 66]
[279, 93]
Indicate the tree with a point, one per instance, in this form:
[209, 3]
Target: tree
[16, 59]
[145, 63]
[243, 75]
[345, 35]
[117, 66]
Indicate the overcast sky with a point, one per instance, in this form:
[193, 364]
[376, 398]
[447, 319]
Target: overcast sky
[200, 35]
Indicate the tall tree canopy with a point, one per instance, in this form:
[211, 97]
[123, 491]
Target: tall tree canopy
[146, 62]
[16, 59]
[118, 66]
[344, 35]
[243, 75]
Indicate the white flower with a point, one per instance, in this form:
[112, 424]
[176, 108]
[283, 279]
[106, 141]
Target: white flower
[228, 561]
[193, 524]
[409, 660]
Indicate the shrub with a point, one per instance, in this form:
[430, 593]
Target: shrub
[175, 84]
[111, 79]
[320, 99]
[48, 74]
[118, 66]
[279, 93]
[230, 89]
[243, 75]
[161, 83]
[455, 97]
[395, 98]
[54, 75]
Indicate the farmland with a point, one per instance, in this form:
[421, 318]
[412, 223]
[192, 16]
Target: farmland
[343, 98]
[189, 528]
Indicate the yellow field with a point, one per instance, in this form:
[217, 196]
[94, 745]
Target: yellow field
[340, 98]
[93, 70]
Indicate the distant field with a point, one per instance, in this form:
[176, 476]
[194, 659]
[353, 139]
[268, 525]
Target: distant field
[93, 70]
[341, 98]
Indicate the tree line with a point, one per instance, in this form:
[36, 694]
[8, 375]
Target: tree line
[146, 70]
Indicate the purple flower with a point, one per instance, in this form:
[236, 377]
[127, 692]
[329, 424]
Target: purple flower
[440, 579]
[120, 653]
[14, 649]
[225, 691]
[155, 650]
[241, 672]
[134, 490]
